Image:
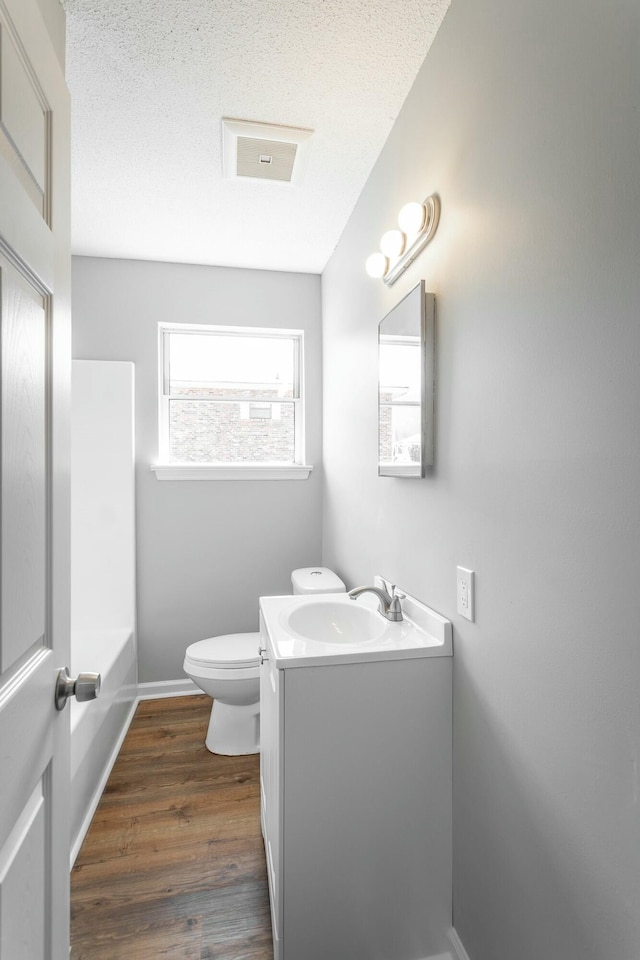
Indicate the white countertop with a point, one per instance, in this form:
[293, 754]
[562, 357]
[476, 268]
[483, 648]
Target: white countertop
[422, 633]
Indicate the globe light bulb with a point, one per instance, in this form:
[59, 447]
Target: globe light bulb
[411, 218]
[377, 265]
[392, 243]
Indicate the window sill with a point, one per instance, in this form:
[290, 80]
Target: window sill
[206, 471]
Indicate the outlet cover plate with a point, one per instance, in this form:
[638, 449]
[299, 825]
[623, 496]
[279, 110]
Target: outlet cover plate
[465, 593]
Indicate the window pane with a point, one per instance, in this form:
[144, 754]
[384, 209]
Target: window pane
[235, 367]
[207, 431]
[400, 434]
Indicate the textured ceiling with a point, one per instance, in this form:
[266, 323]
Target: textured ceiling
[150, 81]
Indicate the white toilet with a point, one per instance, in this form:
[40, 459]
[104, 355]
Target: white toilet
[228, 669]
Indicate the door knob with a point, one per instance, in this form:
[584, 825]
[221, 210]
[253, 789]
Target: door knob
[86, 686]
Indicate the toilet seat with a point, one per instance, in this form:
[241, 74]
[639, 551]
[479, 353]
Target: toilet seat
[232, 651]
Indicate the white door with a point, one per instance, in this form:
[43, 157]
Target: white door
[34, 493]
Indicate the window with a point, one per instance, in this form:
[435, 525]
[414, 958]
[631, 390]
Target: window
[231, 399]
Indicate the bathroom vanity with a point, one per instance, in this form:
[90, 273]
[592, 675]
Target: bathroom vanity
[356, 778]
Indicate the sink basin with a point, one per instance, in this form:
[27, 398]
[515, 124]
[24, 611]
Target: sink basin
[331, 622]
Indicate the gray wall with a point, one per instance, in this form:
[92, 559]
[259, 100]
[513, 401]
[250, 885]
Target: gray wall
[206, 549]
[525, 119]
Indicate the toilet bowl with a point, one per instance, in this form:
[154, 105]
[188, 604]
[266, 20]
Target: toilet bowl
[227, 668]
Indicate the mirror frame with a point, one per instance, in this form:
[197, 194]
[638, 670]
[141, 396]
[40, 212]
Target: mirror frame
[419, 307]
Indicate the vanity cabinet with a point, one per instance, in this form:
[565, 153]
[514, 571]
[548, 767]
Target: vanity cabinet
[356, 806]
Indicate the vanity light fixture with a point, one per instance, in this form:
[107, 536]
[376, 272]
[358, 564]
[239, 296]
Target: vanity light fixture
[418, 223]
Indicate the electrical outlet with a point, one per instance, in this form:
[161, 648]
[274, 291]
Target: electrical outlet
[465, 593]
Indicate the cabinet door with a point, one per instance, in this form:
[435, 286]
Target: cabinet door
[271, 687]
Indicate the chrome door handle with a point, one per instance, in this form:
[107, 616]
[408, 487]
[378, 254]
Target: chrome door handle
[86, 686]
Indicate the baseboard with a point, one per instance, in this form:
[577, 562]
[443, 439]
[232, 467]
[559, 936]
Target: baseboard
[97, 794]
[167, 688]
[459, 951]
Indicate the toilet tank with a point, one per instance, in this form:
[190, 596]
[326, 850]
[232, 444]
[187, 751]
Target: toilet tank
[316, 580]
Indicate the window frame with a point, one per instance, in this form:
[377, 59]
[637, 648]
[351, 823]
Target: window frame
[166, 470]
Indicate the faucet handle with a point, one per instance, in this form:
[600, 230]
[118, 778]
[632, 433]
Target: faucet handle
[393, 594]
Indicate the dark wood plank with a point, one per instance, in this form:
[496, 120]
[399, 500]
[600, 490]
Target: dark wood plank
[173, 864]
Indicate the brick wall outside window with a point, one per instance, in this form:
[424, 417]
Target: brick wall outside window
[210, 431]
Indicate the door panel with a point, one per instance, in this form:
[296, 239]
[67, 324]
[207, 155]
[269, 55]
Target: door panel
[26, 740]
[22, 888]
[26, 146]
[35, 374]
[22, 116]
[23, 421]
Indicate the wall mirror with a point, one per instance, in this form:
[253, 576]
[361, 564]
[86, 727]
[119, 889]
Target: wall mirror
[405, 386]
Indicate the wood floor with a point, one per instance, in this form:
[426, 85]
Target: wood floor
[173, 864]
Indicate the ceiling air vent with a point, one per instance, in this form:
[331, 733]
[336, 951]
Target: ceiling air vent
[264, 151]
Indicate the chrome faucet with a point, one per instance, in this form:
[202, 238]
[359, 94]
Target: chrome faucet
[389, 606]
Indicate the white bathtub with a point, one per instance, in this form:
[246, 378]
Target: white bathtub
[98, 727]
[103, 600]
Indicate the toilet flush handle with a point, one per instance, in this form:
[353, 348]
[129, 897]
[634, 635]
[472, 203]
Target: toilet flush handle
[261, 653]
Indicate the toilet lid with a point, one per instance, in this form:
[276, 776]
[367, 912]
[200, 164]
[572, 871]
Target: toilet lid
[230, 650]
